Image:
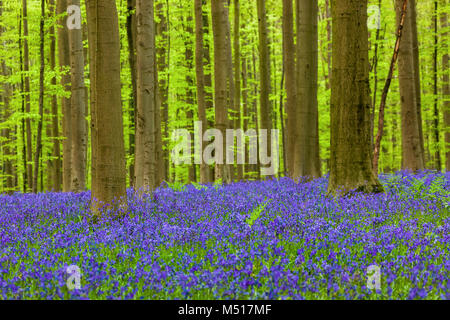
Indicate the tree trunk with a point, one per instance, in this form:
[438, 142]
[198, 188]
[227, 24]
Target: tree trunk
[412, 155]
[41, 99]
[219, 14]
[200, 76]
[237, 79]
[131, 37]
[6, 132]
[146, 153]
[377, 144]
[26, 69]
[107, 144]
[162, 50]
[291, 82]
[306, 158]
[437, 153]
[351, 154]
[264, 70]
[417, 81]
[77, 108]
[54, 165]
[64, 62]
[446, 85]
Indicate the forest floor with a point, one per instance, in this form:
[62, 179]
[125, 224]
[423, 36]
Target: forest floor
[251, 240]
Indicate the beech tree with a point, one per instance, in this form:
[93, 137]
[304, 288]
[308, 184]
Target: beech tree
[350, 153]
[107, 144]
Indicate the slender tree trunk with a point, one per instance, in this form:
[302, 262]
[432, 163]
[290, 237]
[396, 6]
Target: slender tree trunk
[351, 154]
[291, 82]
[437, 147]
[77, 108]
[377, 144]
[146, 153]
[237, 78]
[55, 163]
[306, 158]
[189, 98]
[26, 178]
[162, 50]
[264, 70]
[41, 100]
[64, 62]
[107, 140]
[26, 69]
[209, 99]
[417, 81]
[6, 132]
[412, 155]
[446, 83]
[131, 37]
[200, 76]
[219, 14]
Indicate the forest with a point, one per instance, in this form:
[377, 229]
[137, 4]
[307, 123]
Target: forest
[224, 149]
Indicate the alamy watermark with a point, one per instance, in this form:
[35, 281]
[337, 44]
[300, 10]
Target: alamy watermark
[215, 153]
[374, 17]
[374, 277]
[73, 17]
[74, 280]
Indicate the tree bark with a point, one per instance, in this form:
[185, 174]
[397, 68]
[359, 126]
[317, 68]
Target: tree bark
[219, 14]
[41, 99]
[26, 69]
[77, 109]
[131, 37]
[54, 164]
[107, 140]
[264, 74]
[237, 78]
[351, 154]
[412, 155]
[290, 83]
[146, 151]
[306, 155]
[446, 84]
[64, 63]
[417, 81]
[162, 50]
[377, 144]
[200, 77]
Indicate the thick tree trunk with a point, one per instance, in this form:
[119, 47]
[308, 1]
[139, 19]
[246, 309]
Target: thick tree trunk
[77, 109]
[412, 155]
[291, 82]
[264, 74]
[306, 158]
[446, 84]
[146, 151]
[107, 140]
[64, 62]
[351, 154]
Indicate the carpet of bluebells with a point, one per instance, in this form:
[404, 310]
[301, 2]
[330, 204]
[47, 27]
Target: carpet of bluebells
[274, 239]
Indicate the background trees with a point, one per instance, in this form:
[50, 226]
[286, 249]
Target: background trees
[230, 64]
